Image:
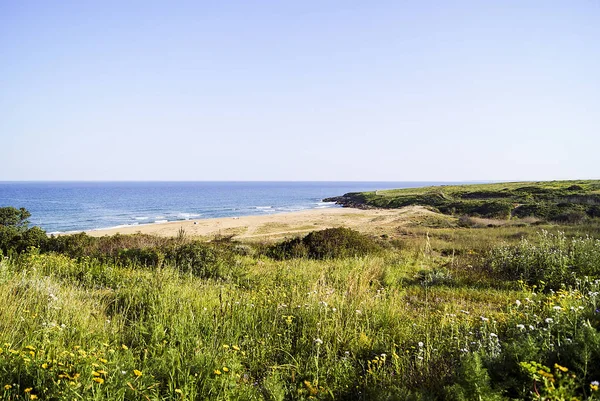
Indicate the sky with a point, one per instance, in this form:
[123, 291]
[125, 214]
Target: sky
[300, 90]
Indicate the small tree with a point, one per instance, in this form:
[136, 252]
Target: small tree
[13, 217]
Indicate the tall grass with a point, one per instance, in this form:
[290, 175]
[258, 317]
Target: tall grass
[411, 323]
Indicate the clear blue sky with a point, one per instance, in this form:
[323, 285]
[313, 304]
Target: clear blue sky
[299, 90]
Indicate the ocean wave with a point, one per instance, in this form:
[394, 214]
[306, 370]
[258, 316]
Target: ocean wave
[161, 221]
[188, 216]
[142, 218]
[263, 207]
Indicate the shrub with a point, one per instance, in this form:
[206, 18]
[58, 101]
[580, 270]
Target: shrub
[326, 244]
[553, 259]
[203, 260]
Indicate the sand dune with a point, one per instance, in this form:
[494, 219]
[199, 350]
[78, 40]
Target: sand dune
[281, 225]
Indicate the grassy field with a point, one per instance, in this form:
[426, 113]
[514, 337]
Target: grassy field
[561, 201]
[431, 313]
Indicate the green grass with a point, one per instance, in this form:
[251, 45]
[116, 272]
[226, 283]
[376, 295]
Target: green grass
[563, 201]
[431, 316]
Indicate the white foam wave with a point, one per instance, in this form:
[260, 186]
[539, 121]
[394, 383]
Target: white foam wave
[188, 216]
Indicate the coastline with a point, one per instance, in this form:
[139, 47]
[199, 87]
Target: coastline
[276, 225]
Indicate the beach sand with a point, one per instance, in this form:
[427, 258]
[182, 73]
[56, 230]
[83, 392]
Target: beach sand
[276, 226]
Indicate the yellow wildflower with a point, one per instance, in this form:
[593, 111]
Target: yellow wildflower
[98, 380]
[137, 372]
[33, 397]
[236, 348]
[102, 372]
[124, 347]
[30, 347]
[225, 369]
[28, 390]
[178, 391]
[561, 368]
[94, 373]
[225, 346]
[102, 360]
[7, 387]
[217, 372]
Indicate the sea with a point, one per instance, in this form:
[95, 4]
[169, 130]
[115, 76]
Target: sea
[59, 207]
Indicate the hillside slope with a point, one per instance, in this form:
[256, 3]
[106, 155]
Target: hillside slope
[562, 201]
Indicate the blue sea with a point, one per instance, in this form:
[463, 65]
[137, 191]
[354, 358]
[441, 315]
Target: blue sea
[75, 206]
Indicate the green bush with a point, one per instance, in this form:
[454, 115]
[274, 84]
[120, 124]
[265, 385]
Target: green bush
[553, 259]
[326, 244]
[204, 261]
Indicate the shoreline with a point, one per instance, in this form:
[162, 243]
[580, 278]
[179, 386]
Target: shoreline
[276, 225]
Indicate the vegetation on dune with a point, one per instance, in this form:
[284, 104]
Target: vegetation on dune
[560, 201]
[507, 313]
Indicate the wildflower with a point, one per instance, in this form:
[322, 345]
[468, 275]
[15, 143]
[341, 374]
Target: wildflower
[561, 368]
[334, 309]
[518, 302]
[484, 319]
[494, 335]
[217, 372]
[594, 385]
[98, 380]
[124, 347]
[225, 369]
[7, 387]
[225, 346]
[421, 344]
[466, 312]
[557, 308]
[549, 320]
[420, 358]
[137, 372]
[521, 326]
[28, 390]
[44, 366]
[531, 327]
[33, 397]
[235, 348]
[318, 341]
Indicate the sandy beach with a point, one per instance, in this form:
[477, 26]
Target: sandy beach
[280, 225]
